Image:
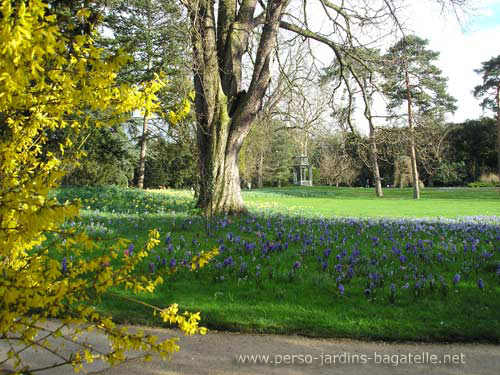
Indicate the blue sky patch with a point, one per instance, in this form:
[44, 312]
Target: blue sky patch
[488, 20]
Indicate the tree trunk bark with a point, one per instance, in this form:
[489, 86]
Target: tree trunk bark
[225, 112]
[220, 189]
[413, 154]
[142, 155]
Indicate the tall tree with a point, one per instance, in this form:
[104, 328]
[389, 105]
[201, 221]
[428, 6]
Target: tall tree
[227, 105]
[151, 32]
[490, 92]
[225, 110]
[364, 67]
[414, 80]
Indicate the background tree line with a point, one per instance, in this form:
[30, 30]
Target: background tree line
[152, 150]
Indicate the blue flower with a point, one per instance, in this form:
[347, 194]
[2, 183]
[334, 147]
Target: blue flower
[480, 284]
[151, 267]
[228, 261]
[350, 273]
[456, 279]
[341, 289]
[173, 262]
[324, 266]
[296, 265]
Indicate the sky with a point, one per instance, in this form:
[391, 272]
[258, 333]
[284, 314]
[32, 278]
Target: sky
[462, 45]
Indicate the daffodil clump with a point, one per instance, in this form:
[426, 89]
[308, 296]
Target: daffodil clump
[50, 82]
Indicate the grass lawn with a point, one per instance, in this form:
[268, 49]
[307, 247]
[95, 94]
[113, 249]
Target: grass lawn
[329, 262]
[361, 202]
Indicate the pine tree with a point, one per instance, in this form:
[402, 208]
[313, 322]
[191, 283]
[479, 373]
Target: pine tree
[151, 31]
[414, 80]
[490, 92]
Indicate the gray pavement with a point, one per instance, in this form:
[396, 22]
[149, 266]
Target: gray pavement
[220, 353]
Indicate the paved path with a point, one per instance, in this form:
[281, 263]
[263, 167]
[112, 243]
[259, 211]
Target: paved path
[216, 353]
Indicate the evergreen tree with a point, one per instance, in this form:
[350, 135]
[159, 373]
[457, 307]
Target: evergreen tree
[412, 78]
[151, 31]
[490, 92]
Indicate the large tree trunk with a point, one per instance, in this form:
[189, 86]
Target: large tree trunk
[225, 112]
[413, 153]
[220, 189]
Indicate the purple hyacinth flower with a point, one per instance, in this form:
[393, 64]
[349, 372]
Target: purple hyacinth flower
[173, 262]
[151, 267]
[367, 292]
[350, 273]
[456, 279]
[296, 265]
[341, 289]
[480, 284]
[324, 266]
[228, 261]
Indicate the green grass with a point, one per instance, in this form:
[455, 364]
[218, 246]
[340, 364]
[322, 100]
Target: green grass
[361, 202]
[307, 301]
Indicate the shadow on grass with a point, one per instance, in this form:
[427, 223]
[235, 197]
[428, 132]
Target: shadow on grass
[280, 273]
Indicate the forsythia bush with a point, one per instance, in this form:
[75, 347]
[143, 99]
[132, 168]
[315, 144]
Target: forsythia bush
[48, 82]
